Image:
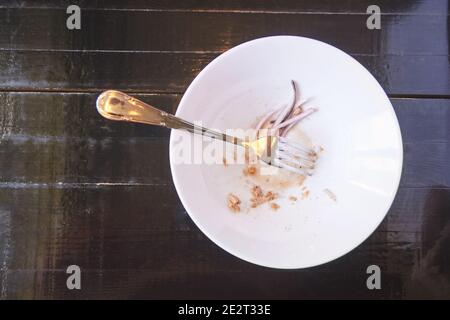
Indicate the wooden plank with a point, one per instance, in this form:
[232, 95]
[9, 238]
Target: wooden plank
[81, 208]
[94, 71]
[415, 34]
[72, 115]
[60, 138]
[58, 115]
[47, 160]
[260, 284]
[36, 54]
[153, 248]
[423, 120]
[348, 6]
[35, 160]
[173, 72]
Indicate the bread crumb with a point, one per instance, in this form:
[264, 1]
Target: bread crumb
[271, 196]
[330, 194]
[257, 191]
[274, 206]
[258, 196]
[250, 171]
[234, 202]
[305, 194]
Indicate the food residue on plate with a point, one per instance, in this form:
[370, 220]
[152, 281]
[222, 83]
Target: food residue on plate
[234, 203]
[274, 206]
[305, 194]
[250, 170]
[262, 176]
[259, 197]
[330, 194]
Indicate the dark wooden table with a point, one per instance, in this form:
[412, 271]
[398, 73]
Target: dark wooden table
[77, 189]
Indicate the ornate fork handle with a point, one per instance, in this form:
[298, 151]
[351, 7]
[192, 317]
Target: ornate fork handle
[116, 105]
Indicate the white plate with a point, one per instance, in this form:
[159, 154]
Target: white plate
[356, 125]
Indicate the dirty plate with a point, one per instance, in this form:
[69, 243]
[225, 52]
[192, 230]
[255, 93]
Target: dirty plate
[361, 162]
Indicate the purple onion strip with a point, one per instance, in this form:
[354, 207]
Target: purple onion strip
[287, 111]
[295, 119]
[267, 117]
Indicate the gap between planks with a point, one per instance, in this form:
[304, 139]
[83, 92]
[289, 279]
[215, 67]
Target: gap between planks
[233, 11]
[162, 92]
[96, 185]
[217, 52]
[75, 185]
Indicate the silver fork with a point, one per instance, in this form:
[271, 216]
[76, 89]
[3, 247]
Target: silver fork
[273, 150]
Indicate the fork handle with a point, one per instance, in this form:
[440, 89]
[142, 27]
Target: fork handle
[116, 105]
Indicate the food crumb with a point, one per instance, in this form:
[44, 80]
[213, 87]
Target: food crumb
[258, 196]
[271, 196]
[330, 194]
[292, 198]
[250, 171]
[305, 194]
[257, 191]
[274, 206]
[234, 202]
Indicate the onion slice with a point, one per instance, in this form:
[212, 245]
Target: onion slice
[295, 119]
[287, 111]
[283, 119]
[264, 119]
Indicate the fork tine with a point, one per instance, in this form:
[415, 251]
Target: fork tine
[293, 145]
[295, 152]
[295, 156]
[302, 162]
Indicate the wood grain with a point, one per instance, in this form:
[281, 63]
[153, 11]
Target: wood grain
[217, 31]
[66, 141]
[275, 6]
[408, 55]
[155, 248]
[77, 189]
[173, 72]
[64, 194]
